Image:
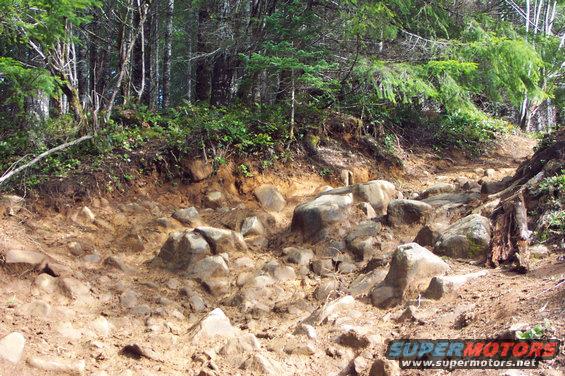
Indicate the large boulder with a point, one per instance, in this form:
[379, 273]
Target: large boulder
[411, 269]
[361, 240]
[408, 212]
[184, 248]
[314, 218]
[466, 238]
[378, 193]
[270, 198]
[222, 240]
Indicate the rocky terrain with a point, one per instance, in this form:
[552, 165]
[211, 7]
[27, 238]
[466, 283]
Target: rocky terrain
[281, 274]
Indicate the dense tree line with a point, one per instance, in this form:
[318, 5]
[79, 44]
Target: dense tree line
[462, 59]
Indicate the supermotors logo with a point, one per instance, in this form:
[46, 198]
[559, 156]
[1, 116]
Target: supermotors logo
[471, 353]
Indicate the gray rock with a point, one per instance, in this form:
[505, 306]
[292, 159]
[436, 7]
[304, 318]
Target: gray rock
[187, 216]
[429, 234]
[283, 273]
[361, 240]
[12, 347]
[214, 325]
[412, 266]
[346, 267]
[245, 343]
[252, 226]
[326, 287]
[128, 299]
[222, 240]
[441, 286]
[313, 218]
[183, 248]
[307, 330]
[22, 256]
[378, 193]
[58, 365]
[408, 212]
[301, 348]
[323, 267]
[467, 238]
[490, 172]
[299, 256]
[46, 283]
[490, 187]
[437, 189]
[270, 198]
[346, 177]
[366, 208]
[260, 364]
[215, 199]
[74, 288]
[209, 267]
[384, 367]
[411, 269]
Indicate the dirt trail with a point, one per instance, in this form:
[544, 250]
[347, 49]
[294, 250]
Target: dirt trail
[108, 293]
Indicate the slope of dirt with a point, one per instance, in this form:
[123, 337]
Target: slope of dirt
[82, 319]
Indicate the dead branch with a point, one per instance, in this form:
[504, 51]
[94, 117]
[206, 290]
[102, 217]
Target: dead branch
[8, 175]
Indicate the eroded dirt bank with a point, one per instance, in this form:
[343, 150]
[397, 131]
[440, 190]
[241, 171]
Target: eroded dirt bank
[275, 274]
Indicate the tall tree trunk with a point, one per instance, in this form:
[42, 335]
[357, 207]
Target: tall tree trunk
[222, 75]
[154, 57]
[147, 30]
[203, 71]
[168, 53]
[138, 57]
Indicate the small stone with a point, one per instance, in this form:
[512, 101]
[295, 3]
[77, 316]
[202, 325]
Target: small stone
[214, 199]
[117, 263]
[306, 329]
[301, 349]
[326, 288]
[58, 365]
[101, 326]
[346, 267]
[128, 299]
[187, 216]
[74, 288]
[12, 347]
[490, 172]
[46, 283]
[75, 248]
[252, 226]
[284, 273]
[245, 343]
[87, 214]
[384, 367]
[323, 267]
[299, 256]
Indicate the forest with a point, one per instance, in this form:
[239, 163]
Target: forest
[245, 76]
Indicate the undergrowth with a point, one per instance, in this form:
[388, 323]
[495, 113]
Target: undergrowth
[219, 133]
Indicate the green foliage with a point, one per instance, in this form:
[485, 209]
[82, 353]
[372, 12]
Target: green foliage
[553, 185]
[535, 332]
[24, 81]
